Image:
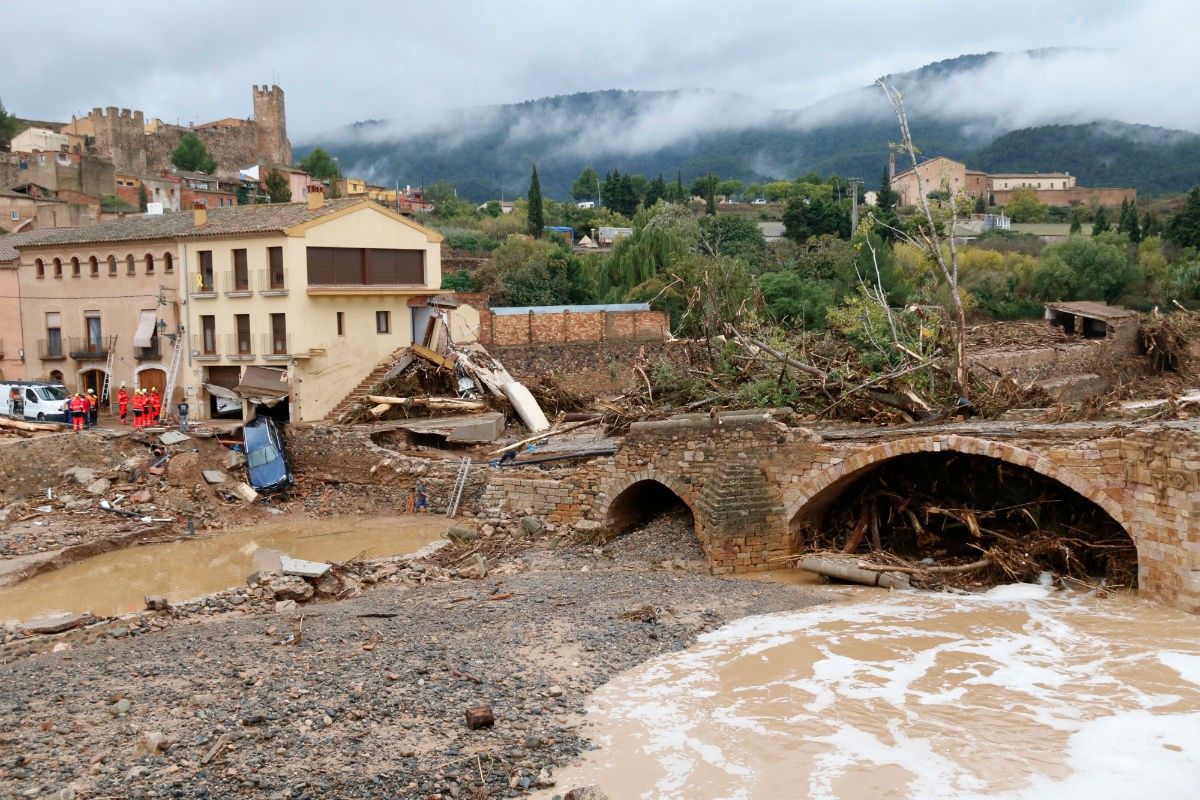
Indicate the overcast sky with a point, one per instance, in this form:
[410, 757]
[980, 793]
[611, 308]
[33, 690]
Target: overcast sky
[348, 61]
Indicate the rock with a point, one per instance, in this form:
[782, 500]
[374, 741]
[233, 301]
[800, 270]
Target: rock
[480, 717]
[284, 605]
[122, 706]
[119, 633]
[588, 525]
[532, 525]
[214, 476]
[475, 568]
[77, 505]
[149, 743]
[462, 534]
[555, 691]
[586, 793]
[302, 568]
[234, 460]
[290, 587]
[55, 623]
[99, 486]
[82, 475]
[243, 491]
[156, 602]
[329, 584]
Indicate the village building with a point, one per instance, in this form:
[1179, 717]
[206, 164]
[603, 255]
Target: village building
[941, 174]
[313, 294]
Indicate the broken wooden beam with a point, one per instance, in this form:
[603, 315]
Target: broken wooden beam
[446, 362]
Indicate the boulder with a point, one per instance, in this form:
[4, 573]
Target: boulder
[149, 743]
[55, 623]
[99, 486]
[588, 525]
[586, 793]
[532, 525]
[82, 475]
[290, 587]
[457, 534]
[475, 568]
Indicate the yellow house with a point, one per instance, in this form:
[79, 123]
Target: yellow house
[311, 294]
[350, 187]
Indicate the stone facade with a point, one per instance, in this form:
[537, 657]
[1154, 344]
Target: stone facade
[549, 326]
[1072, 197]
[589, 368]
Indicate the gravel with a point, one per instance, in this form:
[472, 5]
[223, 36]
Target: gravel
[368, 698]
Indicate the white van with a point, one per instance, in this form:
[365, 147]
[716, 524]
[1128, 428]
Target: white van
[44, 401]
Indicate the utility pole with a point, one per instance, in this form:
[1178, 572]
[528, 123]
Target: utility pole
[854, 183]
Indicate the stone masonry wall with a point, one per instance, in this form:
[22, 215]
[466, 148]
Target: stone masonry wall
[1085, 355]
[602, 368]
[540, 328]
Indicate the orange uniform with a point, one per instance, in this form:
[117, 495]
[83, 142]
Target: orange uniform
[139, 405]
[123, 403]
[79, 409]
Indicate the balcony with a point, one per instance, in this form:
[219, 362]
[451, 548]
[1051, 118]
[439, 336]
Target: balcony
[204, 348]
[83, 348]
[239, 347]
[51, 349]
[151, 353]
[235, 285]
[203, 286]
[275, 348]
[271, 282]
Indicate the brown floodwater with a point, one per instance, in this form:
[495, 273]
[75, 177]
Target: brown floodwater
[116, 582]
[1021, 692]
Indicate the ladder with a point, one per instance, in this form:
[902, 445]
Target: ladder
[172, 372]
[106, 387]
[460, 483]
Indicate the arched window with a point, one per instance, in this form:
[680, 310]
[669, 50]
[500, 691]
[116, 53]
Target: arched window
[40, 266]
[168, 263]
[112, 265]
[74, 267]
[58, 267]
[56, 376]
[149, 264]
[130, 265]
[94, 267]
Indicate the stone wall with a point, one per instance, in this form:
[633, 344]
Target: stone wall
[1083, 355]
[540, 327]
[590, 368]
[1066, 197]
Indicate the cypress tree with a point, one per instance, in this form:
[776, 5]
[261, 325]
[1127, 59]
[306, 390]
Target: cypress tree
[1101, 224]
[886, 200]
[1131, 225]
[710, 198]
[537, 220]
[1076, 223]
[1123, 216]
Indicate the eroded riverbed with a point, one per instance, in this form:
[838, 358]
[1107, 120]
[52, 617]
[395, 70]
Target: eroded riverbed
[116, 582]
[1018, 693]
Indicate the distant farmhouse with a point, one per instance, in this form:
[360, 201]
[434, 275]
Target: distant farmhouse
[1052, 188]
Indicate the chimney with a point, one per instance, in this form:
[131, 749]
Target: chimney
[316, 196]
[199, 213]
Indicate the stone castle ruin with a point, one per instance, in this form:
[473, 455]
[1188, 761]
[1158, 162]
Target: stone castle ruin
[137, 147]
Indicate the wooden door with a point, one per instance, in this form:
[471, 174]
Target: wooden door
[92, 379]
[153, 378]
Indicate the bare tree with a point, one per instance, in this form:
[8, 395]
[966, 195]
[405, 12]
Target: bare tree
[931, 236]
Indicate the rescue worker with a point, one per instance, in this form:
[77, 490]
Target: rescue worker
[123, 402]
[78, 408]
[139, 403]
[155, 405]
[93, 408]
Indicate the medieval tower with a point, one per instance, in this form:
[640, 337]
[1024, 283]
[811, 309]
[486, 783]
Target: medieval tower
[270, 124]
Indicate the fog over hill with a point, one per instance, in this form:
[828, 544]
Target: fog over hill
[978, 108]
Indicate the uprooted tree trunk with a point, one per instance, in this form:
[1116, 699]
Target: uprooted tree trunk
[931, 237]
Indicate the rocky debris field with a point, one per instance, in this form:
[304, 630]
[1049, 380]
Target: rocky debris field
[359, 698]
[668, 539]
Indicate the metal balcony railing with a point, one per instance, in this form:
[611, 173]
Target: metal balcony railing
[239, 345]
[205, 346]
[202, 284]
[232, 282]
[151, 353]
[84, 348]
[50, 349]
[271, 280]
[272, 346]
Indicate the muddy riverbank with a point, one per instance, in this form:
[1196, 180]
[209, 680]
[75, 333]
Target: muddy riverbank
[369, 702]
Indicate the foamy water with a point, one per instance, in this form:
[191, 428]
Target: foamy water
[1018, 693]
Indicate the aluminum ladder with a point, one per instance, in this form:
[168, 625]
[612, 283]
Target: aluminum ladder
[106, 387]
[172, 372]
[460, 483]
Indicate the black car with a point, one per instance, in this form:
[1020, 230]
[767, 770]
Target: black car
[266, 461]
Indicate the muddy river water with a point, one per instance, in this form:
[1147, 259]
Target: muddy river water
[116, 582]
[1021, 692]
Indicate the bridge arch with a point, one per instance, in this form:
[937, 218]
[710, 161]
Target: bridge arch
[625, 498]
[828, 483]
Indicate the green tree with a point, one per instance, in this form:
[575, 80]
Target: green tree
[321, 165]
[276, 185]
[536, 215]
[586, 186]
[1076, 223]
[1024, 206]
[678, 195]
[532, 272]
[1184, 227]
[1151, 225]
[710, 199]
[804, 218]
[8, 128]
[243, 194]
[1100, 270]
[656, 191]
[1101, 223]
[459, 281]
[790, 299]
[730, 188]
[732, 235]
[980, 205]
[143, 198]
[191, 155]
[1130, 224]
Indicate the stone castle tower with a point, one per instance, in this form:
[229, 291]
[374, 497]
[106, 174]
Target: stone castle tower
[270, 125]
[120, 135]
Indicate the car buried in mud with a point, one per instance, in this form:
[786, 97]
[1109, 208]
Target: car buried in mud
[266, 460]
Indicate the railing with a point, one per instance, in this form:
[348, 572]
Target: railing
[202, 284]
[270, 281]
[83, 348]
[239, 345]
[275, 346]
[148, 353]
[50, 349]
[233, 283]
[203, 348]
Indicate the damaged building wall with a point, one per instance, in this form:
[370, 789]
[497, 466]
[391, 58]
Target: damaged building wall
[553, 324]
[585, 367]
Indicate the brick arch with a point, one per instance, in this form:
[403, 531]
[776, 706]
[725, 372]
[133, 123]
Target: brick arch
[617, 487]
[861, 462]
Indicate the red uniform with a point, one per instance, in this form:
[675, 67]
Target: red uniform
[155, 406]
[78, 409]
[139, 404]
[123, 403]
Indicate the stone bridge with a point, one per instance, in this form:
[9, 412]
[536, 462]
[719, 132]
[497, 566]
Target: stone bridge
[750, 478]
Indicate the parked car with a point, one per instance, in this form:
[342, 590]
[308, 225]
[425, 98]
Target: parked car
[758, 201]
[266, 461]
[44, 401]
